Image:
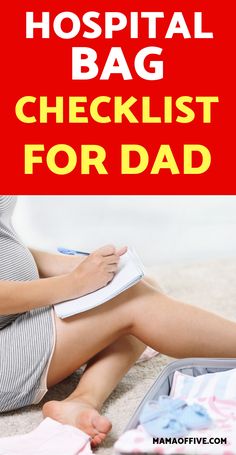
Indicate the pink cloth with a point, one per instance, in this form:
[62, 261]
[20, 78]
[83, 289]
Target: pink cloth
[49, 438]
[149, 353]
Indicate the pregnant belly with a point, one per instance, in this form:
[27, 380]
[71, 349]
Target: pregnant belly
[16, 261]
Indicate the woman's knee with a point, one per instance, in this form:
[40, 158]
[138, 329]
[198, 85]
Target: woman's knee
[134, 302]
[144, 290]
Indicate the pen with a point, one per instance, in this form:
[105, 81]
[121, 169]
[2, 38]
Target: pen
[71, 252]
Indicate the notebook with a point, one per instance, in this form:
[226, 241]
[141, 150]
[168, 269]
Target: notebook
[130, 272]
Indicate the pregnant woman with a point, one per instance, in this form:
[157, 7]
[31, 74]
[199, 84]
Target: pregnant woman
[38, 350]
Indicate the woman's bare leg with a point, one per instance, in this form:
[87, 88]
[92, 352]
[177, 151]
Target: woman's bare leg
[101, 376]
[169, 326]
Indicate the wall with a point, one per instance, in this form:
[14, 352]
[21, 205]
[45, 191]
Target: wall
[161, 228]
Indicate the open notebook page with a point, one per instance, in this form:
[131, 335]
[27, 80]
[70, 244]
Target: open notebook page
[129, 273]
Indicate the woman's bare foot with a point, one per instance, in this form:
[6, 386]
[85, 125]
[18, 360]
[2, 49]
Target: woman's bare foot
[79, 414]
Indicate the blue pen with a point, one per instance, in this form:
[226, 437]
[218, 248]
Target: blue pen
[71, 252]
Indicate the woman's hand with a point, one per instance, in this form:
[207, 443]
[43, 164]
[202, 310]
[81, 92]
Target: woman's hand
[97, 270]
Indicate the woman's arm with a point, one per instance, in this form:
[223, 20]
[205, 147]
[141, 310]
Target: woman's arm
[21, 296]
[50, 264]
[93, 273]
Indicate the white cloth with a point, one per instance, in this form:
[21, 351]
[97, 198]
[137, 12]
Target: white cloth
[49, 438]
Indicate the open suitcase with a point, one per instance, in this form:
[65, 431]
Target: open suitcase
[188, 366]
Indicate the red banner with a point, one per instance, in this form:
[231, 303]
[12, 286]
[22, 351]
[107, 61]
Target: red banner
[136, 99]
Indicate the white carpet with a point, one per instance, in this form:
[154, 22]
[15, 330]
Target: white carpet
[210, 285]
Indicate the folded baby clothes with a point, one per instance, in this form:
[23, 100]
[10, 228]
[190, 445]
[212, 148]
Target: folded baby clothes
[49, 438]
[164, 418]
[220, 385]
[169, 417]
[138, 442]
[216, 393]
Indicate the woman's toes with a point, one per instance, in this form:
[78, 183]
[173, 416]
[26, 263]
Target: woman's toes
[102, 424]
[96, 441]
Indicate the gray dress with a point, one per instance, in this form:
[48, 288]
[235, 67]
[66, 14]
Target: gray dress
[26, 339]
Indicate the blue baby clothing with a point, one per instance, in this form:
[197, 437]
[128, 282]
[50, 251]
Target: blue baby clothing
[170, 417]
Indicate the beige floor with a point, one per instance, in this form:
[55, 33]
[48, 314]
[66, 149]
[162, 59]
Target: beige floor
[210, 285]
